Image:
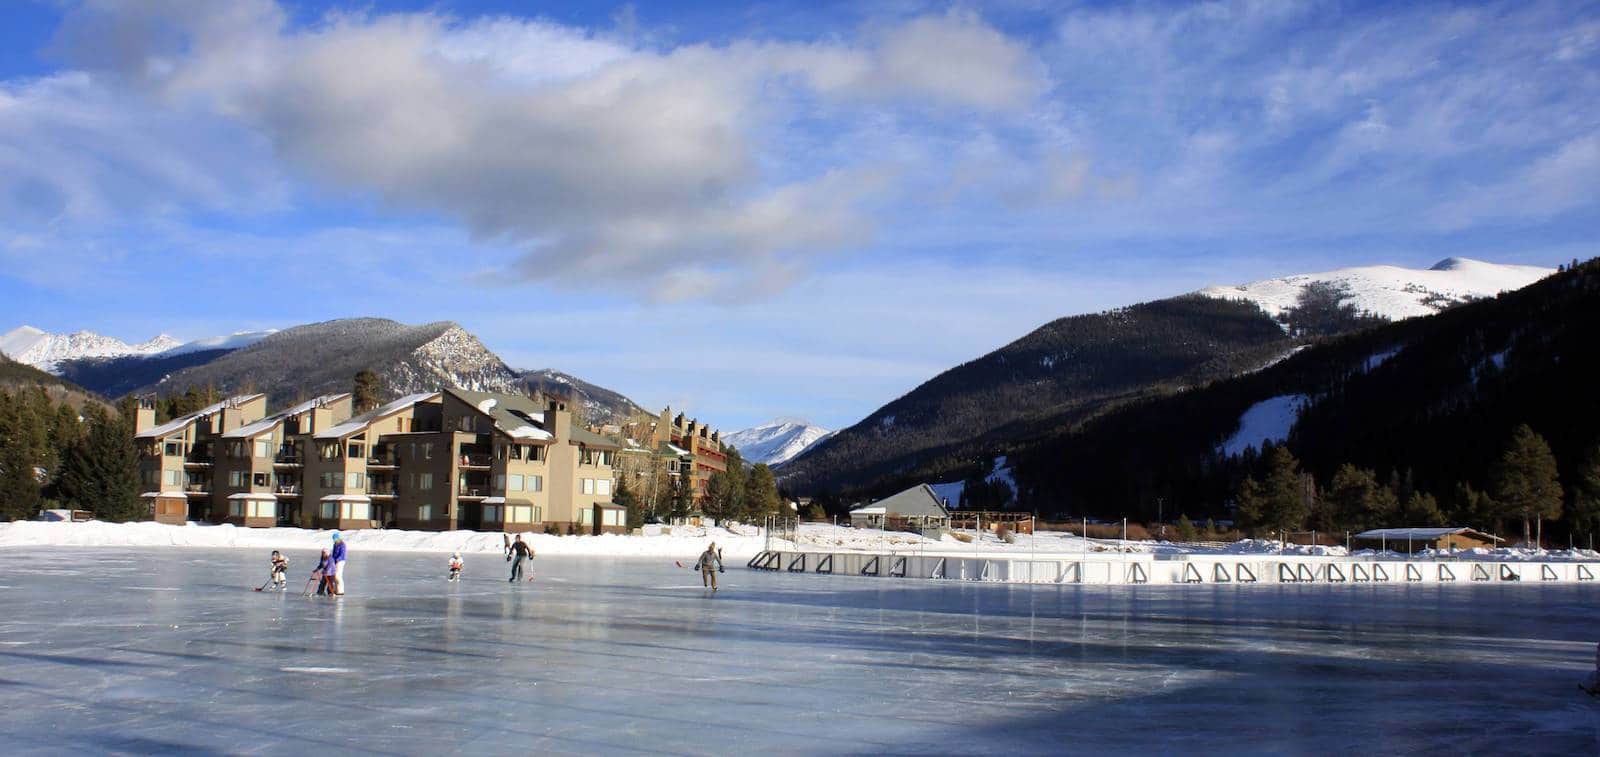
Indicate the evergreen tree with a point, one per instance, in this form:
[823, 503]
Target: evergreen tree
[624, 496]
[761, 492]
[101, 473]
[1422, 510]
[680, 497]
[368, 391]
[1526, 483]
[1186, 531]
[1584, 516]
[1356, 502]
[1280, 502]
[24, 444]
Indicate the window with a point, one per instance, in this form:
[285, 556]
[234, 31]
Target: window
[427, 450]
[172, 448]
[330, 510]
[588, 486]
[467, 423]
[424, 512]
[259, 479]
[491, 513]
[515, 482]
[499, 482]
[357, 511]
[519, 514]
[236, 478]
[171, 477]
[357, 480]
[586, 516]
[535, 453]
[602, 487]
[612, 517]
[333, 480]
[236, 508]
[263, 509]
[425, 481]
[357, 451]
[536, 483]
[263, 448]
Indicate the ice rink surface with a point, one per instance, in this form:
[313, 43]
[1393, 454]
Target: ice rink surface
[169, 651]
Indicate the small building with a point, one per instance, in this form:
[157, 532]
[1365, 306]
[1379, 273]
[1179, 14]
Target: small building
[917, 510]
[1414, 539]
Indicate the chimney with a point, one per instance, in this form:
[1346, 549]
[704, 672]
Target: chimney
[144, 418]
[557, 420]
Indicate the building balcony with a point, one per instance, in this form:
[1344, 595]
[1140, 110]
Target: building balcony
[196, 489]
[383, 490]
[477, 460]
[382, 462]
[287, 490]
[475, 492]
[288, 461]
[198, 461]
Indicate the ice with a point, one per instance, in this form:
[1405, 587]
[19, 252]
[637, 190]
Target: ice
[165, 649]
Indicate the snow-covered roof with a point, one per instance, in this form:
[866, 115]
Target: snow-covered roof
[675, 449]
[164, 494]
[869, 510]
[363, 420]
[253, 495]
[347, 498]
[514, 416]
[270, 422]
[1399, 534]
[179, 423]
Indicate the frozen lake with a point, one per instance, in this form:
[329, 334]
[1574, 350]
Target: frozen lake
[168, 650]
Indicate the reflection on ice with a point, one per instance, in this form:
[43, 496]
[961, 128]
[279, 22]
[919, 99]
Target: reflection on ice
[622, 655]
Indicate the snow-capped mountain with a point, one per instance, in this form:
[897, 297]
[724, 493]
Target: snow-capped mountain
[776, 442]
[1392, 292]
[597, 403]
[45, 351]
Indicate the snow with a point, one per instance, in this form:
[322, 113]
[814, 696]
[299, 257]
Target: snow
[234, 341]
[270, 422]
[46, 351]
[360, 421]
[776, 442]
[951, 491]
[178, 423]
[1379, 358]
[1268, 419]
[1392, 292]
[610, 656]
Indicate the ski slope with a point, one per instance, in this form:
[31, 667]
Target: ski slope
[1391, 292]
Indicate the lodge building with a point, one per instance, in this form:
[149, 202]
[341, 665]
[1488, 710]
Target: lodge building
[437, 461]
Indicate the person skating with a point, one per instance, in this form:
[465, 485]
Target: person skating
[338, 564]
[280, 571]
[455, 567]
[324, 567]
[520, 551]
[709, 565]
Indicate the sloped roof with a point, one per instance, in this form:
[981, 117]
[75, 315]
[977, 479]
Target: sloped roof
[514, 415]
[363, 420]
[590, 439]
[180, 422]
[918, 500]
[1401, 534]
[270, 422]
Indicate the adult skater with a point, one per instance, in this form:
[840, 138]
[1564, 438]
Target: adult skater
[280, 571]
[709, 565]
[338, 564]
[455, 567]
[520, 551]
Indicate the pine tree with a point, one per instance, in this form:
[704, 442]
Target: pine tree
[1356, 502]
[1584, 515]
[24, 444]
[761, 492]
[1526, 483]
[101, 473]
[1422, 510]
[1186, 530]
[1286, 502]
[624, 496]
[368, 391]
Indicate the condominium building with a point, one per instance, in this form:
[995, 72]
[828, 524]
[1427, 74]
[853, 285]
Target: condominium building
[689, 449]
[436, 461]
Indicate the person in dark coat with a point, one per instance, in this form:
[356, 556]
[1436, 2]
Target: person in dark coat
[520, 551]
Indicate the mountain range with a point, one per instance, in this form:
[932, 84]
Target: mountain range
[776, 442]
[1072, 369]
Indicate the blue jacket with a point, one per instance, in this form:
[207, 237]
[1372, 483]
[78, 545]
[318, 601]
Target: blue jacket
[338, 551]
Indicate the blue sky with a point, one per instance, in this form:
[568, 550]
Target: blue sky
[762, 210]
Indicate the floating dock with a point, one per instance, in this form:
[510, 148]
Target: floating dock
[1173, 569]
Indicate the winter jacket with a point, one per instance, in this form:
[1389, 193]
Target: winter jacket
[522, 549]
[338, 551]
[709, 561]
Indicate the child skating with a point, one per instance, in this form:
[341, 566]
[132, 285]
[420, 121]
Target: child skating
[280, 571]
[455, 567]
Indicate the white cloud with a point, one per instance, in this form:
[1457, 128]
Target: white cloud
[651, 168]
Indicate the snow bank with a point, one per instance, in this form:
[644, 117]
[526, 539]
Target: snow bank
[677, 542]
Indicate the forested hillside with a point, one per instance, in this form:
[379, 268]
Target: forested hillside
[1427, 406]
[1054, 376]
